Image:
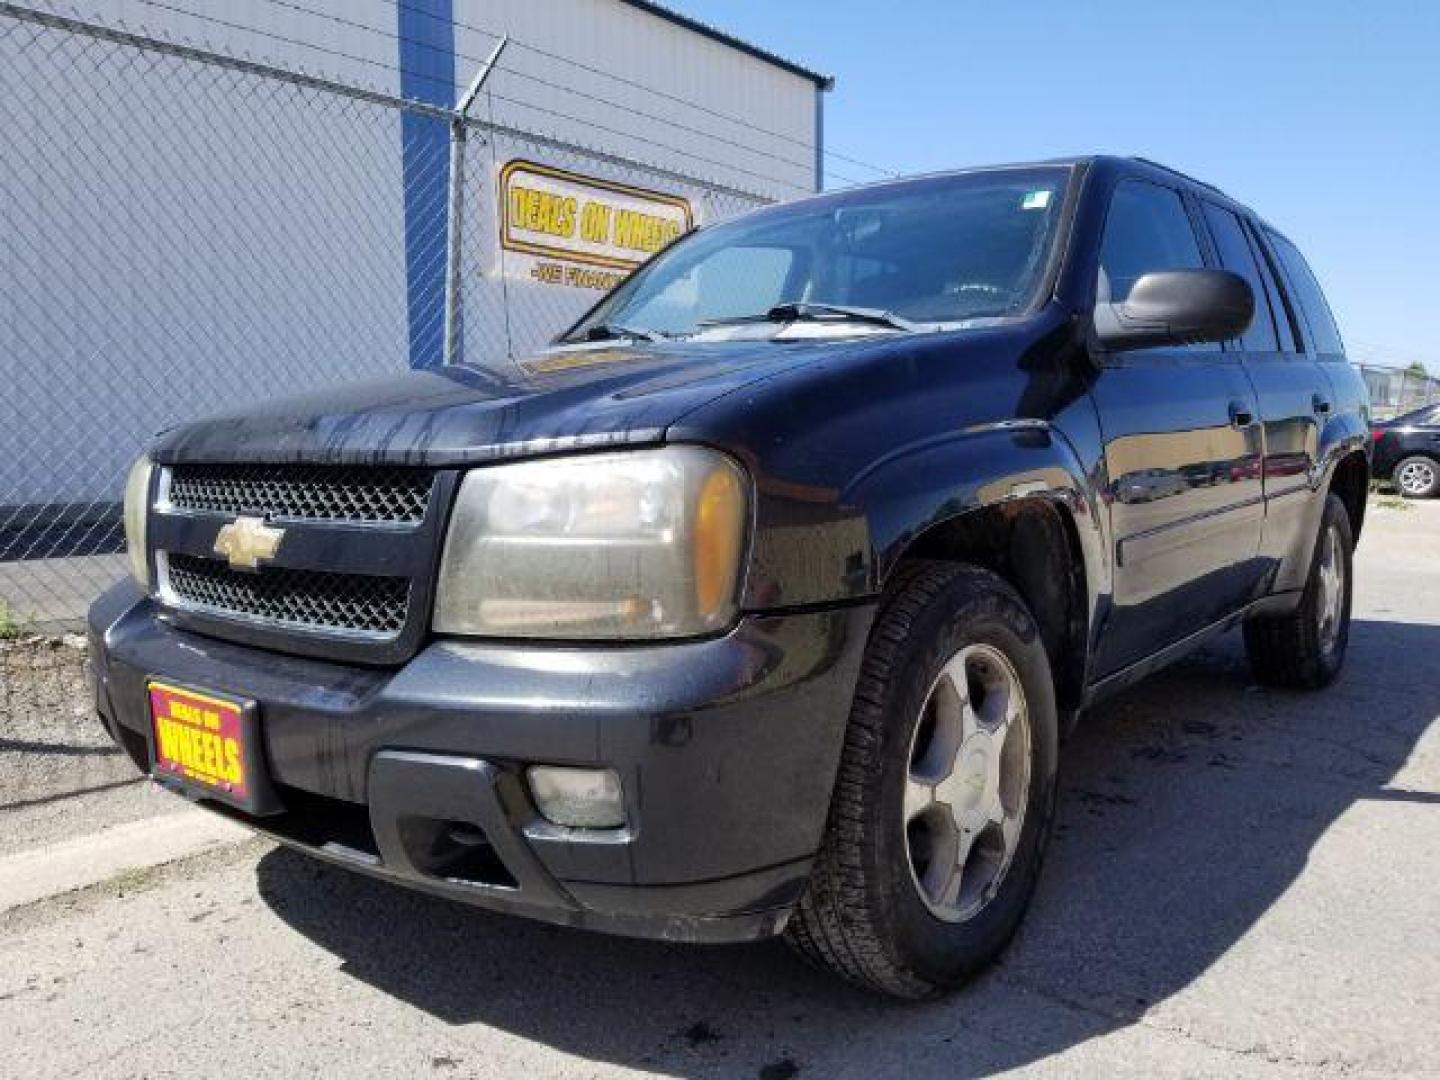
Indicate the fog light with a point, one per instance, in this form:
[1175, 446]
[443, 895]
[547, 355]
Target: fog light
[578, 798]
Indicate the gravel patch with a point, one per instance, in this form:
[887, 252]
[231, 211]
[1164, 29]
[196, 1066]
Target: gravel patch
[60, 774]
[43, 693]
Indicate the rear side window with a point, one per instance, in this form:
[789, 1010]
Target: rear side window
[1324, 335]
[1279, 306]
[1236, 256]
[1146, 229]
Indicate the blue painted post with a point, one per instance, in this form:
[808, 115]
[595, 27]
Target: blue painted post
[427, 73]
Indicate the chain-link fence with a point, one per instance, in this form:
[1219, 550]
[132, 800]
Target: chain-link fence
[184, 231]
[187, 232]
[1396, 390]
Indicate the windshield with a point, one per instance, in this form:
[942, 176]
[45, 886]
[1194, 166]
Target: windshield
[934, 251]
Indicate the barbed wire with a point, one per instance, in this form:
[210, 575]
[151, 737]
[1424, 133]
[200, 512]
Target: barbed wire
[678, 99]
[576, 91]
[451, 87]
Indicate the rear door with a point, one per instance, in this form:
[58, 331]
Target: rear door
[1342, 402]
[1293, 394]
[1182, 451]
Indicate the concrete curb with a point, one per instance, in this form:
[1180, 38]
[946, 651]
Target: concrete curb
[31, 876]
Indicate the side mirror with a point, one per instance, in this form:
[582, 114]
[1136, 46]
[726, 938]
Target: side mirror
[1177, 307]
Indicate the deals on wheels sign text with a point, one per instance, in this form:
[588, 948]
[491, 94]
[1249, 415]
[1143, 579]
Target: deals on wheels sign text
[561, 228]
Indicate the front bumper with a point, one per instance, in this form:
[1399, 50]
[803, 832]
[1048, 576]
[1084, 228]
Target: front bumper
[727, 749]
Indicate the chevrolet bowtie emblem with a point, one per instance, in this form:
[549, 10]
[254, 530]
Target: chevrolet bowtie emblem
[247, 542]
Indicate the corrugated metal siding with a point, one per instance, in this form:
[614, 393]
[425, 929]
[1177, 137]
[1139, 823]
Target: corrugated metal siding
[318, 40]
[752, 125]
[185, 242]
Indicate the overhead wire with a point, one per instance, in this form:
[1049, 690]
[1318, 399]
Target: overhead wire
[678, 99]
[578, 91]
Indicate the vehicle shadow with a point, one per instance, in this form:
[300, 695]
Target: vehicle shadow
[1188, 806]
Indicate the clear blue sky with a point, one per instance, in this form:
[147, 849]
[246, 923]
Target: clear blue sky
[1323, 116]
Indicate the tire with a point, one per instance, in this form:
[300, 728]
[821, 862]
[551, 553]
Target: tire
[1304, 649]
[1417, 477]
[866, 914]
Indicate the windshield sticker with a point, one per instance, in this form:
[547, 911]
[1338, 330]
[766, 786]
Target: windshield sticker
[1035, 200]
[581, 232]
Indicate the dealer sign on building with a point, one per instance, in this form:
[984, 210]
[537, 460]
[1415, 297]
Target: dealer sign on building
[562, 228]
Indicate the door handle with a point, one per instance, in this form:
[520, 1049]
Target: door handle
[1241, 415]
[1320, 405]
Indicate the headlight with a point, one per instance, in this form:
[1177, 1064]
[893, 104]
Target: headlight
[137, 505]
[636, 544]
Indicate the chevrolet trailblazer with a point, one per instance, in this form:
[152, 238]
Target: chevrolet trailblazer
[758, 603]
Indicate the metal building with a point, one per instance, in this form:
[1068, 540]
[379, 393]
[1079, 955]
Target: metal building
[207, 202]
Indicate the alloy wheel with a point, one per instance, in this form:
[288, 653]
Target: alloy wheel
[1330, 604]
[968, 783]
[1416, 477]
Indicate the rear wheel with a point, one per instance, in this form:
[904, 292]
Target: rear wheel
[1417, 477]
[1305, 648]
[945, 793]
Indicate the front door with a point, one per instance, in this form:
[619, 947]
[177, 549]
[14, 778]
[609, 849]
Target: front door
[1182, 452]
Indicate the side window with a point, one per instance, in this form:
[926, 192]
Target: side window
[1236, 256]
[1279, 305]
[1146, 229]
[1325, 336]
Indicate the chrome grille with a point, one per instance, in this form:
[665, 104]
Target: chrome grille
[304, 492]
[304, 599]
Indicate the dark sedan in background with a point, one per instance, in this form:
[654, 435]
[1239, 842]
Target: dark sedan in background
[1407, 452]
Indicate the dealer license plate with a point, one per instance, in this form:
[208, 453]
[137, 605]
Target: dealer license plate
[201, 738]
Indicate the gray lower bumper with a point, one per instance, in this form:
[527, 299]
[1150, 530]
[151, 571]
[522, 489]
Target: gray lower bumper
[727, 749]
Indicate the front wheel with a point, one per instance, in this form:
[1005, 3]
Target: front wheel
[945, 793]
[1305, 648]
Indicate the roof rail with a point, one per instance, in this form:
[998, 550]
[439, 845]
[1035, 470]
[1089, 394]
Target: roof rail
[1176, 172]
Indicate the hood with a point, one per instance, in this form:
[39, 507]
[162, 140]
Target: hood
[560, 400]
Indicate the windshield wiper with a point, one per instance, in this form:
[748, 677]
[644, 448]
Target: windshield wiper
[616, 332]
[810, 311]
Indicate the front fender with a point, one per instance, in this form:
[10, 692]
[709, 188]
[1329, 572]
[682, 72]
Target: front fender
[925, 485]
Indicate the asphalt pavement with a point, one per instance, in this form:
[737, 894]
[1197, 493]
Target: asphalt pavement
[1243, 882]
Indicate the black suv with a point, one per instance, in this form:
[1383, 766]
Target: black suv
[760, 601]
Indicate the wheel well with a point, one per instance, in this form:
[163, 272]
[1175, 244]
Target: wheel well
[1351, 482]
[1032, 544]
